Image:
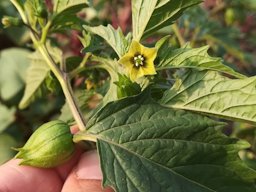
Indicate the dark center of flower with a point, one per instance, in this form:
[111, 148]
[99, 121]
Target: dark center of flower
[139, 60]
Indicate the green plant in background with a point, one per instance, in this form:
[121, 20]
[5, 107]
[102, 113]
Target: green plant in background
[157, 125]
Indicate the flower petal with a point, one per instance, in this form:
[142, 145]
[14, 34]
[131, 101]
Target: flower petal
[135, 48]
[126, 60]
[149, 53]
[136, 73]
[149, 69]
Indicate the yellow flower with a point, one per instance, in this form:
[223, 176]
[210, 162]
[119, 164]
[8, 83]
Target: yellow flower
[139, 60]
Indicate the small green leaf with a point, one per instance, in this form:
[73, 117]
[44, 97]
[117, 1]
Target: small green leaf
[142, 11]
[7, 117]
[166, 13]
[91, 43]
[13, 65]
[210, 93]
[65, 14]
[196, 58]
[113, 68]
[126, 88]
[114, 37]
[32, 10]
[66, 21]
[144, 146]
[69, 5]
[150, 16]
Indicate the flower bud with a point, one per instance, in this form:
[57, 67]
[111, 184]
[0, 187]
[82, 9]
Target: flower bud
[9, 21]
[49, 146]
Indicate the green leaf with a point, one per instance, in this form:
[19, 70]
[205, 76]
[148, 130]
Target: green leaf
[144, 146]
[32, 9]
[36, 76]
[65, 14]
[209, 92]
[112, 67]
[196, 58]
[149, 17]
[142, 11]
[69, 5]
[7, 117]
[91, 43]
[114, 37]
[125, 87]
[13, 65]
[66, 21]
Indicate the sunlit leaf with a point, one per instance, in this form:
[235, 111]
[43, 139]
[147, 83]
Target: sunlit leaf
[187, 57]
[114, 37]
[150, 16]
[69, 5]
[213, 94]
[65, 14]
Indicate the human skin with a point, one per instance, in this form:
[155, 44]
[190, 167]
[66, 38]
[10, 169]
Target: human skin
[80, 174]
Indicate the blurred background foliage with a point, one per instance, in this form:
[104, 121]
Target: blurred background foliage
[228, 26]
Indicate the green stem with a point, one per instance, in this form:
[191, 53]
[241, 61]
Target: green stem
[65, 85]
[60, 75]
[45, 31]
[84, 137]
[177, 32]
[20, 10]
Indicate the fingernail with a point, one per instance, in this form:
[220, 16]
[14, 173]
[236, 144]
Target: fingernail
[89, 167]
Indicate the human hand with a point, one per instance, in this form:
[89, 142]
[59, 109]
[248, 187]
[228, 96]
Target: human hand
[80, 173]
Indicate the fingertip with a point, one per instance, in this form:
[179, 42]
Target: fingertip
[15, 178]
[64, 169]
[89, 166]
[74, 184]
[86, 176]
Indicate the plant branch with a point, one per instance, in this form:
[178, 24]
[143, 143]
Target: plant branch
[65, 85]
[62, 77]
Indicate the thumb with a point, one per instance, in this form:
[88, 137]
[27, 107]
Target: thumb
[86, 176]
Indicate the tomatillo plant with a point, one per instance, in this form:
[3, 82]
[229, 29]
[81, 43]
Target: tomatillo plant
[153, 127]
